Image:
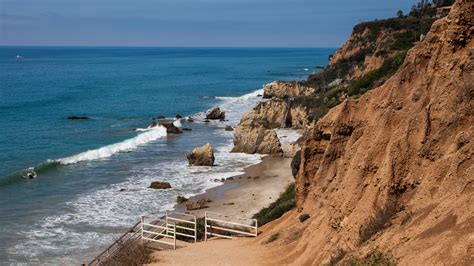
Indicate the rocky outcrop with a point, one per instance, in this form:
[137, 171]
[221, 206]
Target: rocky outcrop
[256, 139]
[216, 114]
[171, 128]
[181, 199]
[201, 156]
[197, 205]
[285, 89]
[394, 170]
[160, 185]
[228, 128]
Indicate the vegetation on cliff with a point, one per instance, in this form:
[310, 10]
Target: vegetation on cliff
[374, 52]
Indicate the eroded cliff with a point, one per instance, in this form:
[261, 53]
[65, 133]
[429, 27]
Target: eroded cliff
[393, 170]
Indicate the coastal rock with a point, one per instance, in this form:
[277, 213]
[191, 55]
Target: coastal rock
[256, 139]
[216, 114]
[178, 116]
[228, 128]
[78, 117]
[171, 128]
[181, 199]
[193, 205]
[158, 117]
[190, 119]
[201, 156]
[160, 185]
[283, 89]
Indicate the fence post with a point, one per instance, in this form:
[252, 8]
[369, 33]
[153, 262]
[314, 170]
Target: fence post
[141, 222]
[166, 221]
[195, 229]
[256, 227]
[174, 236]
[205, 226]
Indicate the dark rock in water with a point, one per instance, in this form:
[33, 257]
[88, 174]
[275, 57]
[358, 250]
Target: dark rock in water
[160, 185]
[216, 114]
[201, 156]
[159, 117]
[190, 119]
[319, 67]
[170, 128]
[229, 128]
[78, 117]
[178, 116]
[152, 124]
[206, 121]
[295, 163]
[186, 129]
[259, 95]
[122, 189]
[181, 199]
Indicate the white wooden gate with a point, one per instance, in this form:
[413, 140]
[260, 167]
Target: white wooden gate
[186, 222]
[228, 226]
[158, 230]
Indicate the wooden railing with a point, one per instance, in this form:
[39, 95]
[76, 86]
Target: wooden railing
[229, 226]
[133, 234]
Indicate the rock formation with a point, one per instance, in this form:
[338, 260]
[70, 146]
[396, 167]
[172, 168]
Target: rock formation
[216, 114]
[394, 169]
[283, 89]
[256, 139]
[171, 128]
[201, 156]
[74, 117]
[160, 185]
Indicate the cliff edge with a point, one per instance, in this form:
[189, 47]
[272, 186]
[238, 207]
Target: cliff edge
[393, 170]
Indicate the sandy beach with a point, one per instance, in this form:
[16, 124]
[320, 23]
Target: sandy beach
[246, 194]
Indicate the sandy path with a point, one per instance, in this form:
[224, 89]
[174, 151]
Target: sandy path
[242, 251]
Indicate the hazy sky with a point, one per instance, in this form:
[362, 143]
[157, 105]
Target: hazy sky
[249, 23]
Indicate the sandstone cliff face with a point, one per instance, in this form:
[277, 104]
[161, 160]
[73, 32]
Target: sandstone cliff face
[284, 89]
[393, 170]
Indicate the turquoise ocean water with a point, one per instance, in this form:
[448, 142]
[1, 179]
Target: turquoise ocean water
[76, 206]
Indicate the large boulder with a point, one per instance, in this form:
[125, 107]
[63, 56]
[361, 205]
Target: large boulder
[216, 114]
[160, 185]
[201, 156]
[256, 139]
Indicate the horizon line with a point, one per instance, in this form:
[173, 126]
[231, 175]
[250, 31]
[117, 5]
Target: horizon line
[158, 46]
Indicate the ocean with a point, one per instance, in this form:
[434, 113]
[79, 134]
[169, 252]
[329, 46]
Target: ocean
[93, 175]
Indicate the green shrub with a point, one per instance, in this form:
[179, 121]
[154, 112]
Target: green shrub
[272, 238]
[284, 203]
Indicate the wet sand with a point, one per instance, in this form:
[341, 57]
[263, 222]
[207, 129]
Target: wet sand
[246, 194]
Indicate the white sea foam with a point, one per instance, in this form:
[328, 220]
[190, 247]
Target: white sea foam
[97, 217]
[126, 145]
[177, 123]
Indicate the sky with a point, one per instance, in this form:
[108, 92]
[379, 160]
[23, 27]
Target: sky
[188, 23]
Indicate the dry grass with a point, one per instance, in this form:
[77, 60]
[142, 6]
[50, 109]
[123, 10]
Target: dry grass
[379, 221]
